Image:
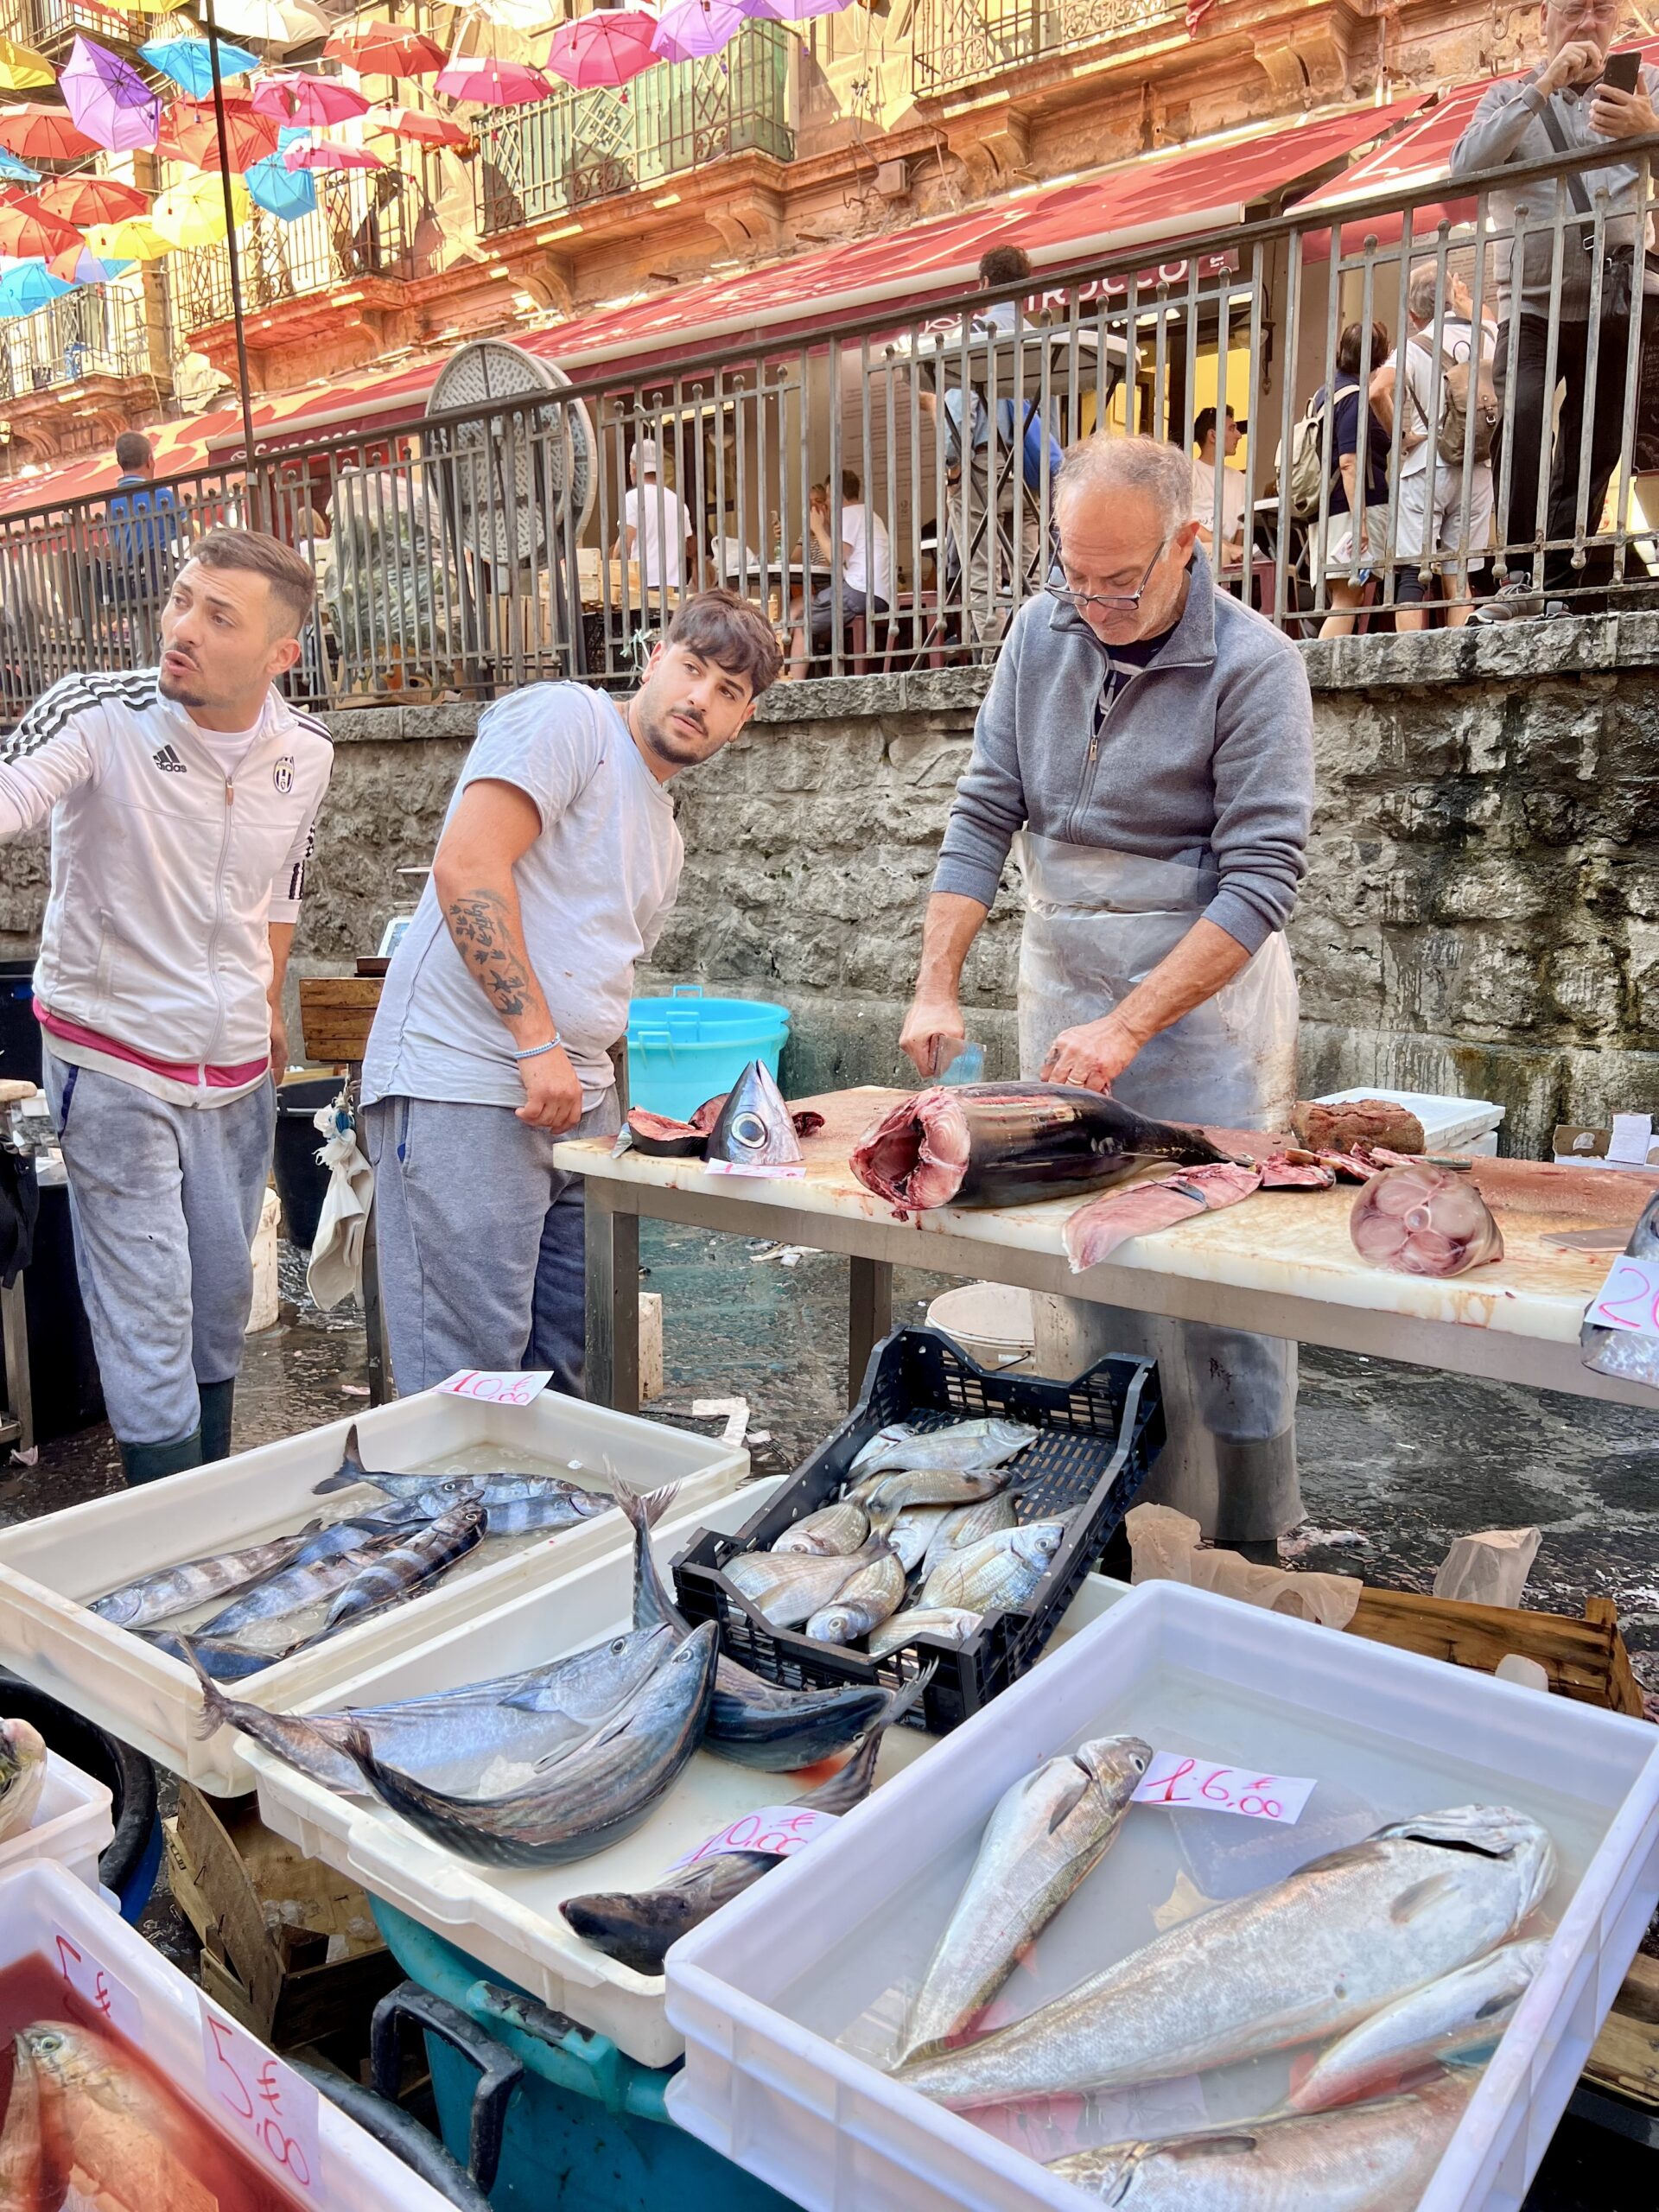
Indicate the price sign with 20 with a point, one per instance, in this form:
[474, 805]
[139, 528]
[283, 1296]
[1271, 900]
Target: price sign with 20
[1629, 1300]
[268, 2106]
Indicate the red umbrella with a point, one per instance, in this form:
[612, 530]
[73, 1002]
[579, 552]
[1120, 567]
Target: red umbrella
[606, 46]
[412, 123]
[190, 135]
[27, 230]
[42, 134]
[493, 83]
[377, 48]
[307, 99]
[321, 154]
[91, 200]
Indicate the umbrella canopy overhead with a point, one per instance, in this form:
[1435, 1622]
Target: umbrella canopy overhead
[91, 198]
[792, 11]
[377, 49]
[414, 122]
[309, 100]
[27, 229]
[608, 47]
[28, 288]
[22, 70]
[81, 265]
[12, 171]
[109, 100]
[43, 134]
[193, 213]
[136, 240]
[288, 193]
[272, 23]
[190, 134]
[189, 63]
[491, 83]
[323, 154]
[691, 29]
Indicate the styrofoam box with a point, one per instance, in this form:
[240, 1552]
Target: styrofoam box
[1467, 1125]
[828, 1948]
[72, 1824]
[40, 1902]
[50, 1567]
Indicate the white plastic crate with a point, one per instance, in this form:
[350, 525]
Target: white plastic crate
[50, 1567]
[764, 1992]
[72, 1824]
[1467, 1125]
[39, 1903]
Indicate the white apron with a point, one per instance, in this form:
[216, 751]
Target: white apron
[1097, 923]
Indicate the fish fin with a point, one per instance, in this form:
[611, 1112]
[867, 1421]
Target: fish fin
[217, 1710]
[1421, 1897]
[1076, 1792]
[606, 1732]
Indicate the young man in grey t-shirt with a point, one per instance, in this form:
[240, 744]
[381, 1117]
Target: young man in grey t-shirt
[556, 868]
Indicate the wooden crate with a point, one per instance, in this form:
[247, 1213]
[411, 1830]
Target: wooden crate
[1585, 1659]
[290, 1948]
[1625, 2059]
[336, 1013]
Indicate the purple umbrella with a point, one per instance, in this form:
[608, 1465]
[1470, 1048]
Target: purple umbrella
[108, 100]
[692, 28]
[792, 11]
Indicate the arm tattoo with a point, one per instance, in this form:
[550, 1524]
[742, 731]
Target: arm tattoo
[478, 923]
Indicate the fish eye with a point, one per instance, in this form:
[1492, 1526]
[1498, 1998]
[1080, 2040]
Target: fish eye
[48, 2040]
[619, 1647]
[748, 1130]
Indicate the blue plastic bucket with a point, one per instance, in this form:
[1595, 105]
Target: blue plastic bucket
[686, 1048]
[587, 2128]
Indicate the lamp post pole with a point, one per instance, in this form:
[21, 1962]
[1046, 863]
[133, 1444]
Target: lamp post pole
[243, 387]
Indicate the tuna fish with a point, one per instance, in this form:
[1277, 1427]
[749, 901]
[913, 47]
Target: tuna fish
[1094, 1231]
[196, 1582]
[754, 1135]
[405, 1570]
[1422, 1220]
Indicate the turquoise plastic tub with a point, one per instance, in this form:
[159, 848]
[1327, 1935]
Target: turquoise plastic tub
[587, 2129]
[687, 1047]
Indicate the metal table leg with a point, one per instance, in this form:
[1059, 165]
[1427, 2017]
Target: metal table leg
[613, 1278]
[14, 1318]
[870, 1317]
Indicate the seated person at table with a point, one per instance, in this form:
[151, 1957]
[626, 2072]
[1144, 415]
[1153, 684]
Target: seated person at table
[866, 567]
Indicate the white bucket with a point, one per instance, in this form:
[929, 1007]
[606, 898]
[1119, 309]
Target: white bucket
[991, 1321]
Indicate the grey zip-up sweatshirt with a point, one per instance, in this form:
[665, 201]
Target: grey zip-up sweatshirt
[1205, 756]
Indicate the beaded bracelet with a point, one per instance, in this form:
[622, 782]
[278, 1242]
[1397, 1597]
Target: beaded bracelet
[536, 1051]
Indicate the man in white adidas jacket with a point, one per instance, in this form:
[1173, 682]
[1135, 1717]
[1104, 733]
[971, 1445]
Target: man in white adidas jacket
[182, 801]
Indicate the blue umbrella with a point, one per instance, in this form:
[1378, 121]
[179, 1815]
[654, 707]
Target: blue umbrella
[27, 287]
[17, 172]
[189, 62]
[280, 190]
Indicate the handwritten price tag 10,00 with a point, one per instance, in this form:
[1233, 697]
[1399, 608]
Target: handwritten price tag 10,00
[1629, 1299]
[1174, 1779]
[96, 1991]
[269, 2106]
[782, 1829]
[496, 1387]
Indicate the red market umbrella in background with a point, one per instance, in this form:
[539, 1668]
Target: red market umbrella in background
[43, 134]
[29, 231]
[608, 47]
[308, 100]
[377, 48]
[84, 200]
[413, 122]
[109, 100]
[321, 154]
[190, 135]
[482, 78]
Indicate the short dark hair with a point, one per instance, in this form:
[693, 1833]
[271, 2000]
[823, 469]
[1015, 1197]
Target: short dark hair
[293, 587]
[731, 632]
[1204, 421]
[850, 487]
[1003, 264]
[1350, 347]
[133, 451]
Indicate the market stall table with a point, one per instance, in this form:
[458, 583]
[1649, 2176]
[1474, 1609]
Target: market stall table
[1282, 1264]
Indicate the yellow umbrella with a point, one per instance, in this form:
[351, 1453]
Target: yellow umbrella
[135, 240]
[193, 213]
[22, 70]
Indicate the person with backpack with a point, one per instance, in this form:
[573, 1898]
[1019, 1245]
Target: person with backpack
[1354, 540]
[144, 540]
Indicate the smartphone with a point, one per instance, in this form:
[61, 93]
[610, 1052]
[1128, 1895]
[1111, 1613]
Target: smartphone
[1623, 71]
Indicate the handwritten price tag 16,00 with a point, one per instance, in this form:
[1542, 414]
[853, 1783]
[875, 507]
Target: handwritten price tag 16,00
[269, 2106]
[1629, 1299]
[96, 1991]
[495, 1387]
[1174, 1779]
[781, 1829]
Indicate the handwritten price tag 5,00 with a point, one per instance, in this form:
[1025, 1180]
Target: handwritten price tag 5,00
[270, 2107]
[496, 1386]
[1629, 1299]
[781, 1829]
[1202, 1786]
[96, 1991]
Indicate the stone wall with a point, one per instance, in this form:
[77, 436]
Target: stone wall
[1481, 916]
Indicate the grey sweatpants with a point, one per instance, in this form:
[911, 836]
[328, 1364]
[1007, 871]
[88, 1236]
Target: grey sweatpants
[164, 1200]
[481, 1240]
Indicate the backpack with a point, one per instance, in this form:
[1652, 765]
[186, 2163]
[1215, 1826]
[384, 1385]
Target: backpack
[1466, 386]
[1300, 479]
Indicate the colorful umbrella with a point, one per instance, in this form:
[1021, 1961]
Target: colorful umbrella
[480, 77]
[272, 23]
[691, 29]
[12, 171]
[91, 198]
[323, 154]
[791, 11]
[606, 46]
[309, 100]
[377, 48]
[27, 229]
[190, 135]
[79, 265]
[27, 289]
[189, 63]
[43, 134]
[109, 99]
[285, 192]
[193, 213]
[22, 70]
[138, 241]
[412, 123]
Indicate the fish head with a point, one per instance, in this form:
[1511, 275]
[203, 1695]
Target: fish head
[461, 1520]
[596, 1682]
[453, 1489]
[22, 1748]
[1115, 1764]
[1106, 2174]
[1493, 1832]
[71, 2060]
[1037, 1543]
[755, 1127]
[836, 1624]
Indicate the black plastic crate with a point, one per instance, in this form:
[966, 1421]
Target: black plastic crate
[1099, 1436]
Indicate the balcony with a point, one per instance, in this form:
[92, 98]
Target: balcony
[50, 26]
[567, 152]
[95, 332]
[958, 44]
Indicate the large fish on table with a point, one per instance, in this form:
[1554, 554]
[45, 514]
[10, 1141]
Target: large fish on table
[1311, 1957]
[994, 1144]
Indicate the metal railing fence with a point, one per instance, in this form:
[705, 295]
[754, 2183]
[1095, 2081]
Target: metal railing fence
[362, 226]
[958, 44]
[493, 546]
[96, 331]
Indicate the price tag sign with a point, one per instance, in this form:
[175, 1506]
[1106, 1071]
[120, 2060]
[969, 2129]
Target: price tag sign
[781, 1829]
[270, 2109]
[496, 1387]
[98, 1995]
[1629, 1299]
[1204, 1786]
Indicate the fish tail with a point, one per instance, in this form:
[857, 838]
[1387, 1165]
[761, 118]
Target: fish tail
[218, 1710]
[850, 1784]
[350, 1470]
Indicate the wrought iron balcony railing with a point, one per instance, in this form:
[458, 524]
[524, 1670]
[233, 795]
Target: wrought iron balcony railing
[98, 331]
[49, 26]
[362, 226]
[958, 43]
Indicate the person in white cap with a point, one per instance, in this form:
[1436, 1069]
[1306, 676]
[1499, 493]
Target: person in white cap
[655, 524]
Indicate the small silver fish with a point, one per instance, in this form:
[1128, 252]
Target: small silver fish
[832, 1531]
[929, 1486]
[404, 1570]
[908, 1532]
[862, 1604]
[970, 1447]
[23, 1775]
[967, 1524]
[998, 1571]
[949, 1624]
[788, 1587]
[195, 1582]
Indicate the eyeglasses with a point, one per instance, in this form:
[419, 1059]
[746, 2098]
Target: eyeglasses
[1109, 603]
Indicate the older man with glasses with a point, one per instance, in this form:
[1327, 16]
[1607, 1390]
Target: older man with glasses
[1148, 743]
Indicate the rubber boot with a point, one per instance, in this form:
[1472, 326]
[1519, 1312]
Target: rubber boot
[216, 1399]
[148, 1463]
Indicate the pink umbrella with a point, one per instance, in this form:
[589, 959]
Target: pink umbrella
[691, 29]
[109, 100]
[605, 47]
[307, 99]
[321, 154]
[480, 77]
[791, 11]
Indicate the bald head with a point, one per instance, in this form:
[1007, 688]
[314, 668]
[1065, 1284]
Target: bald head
[1123, 509]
